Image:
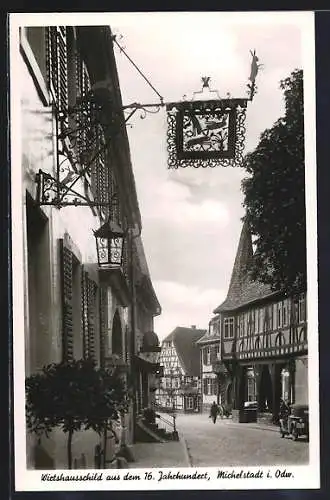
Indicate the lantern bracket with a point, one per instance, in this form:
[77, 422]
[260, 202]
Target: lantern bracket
[84, 133]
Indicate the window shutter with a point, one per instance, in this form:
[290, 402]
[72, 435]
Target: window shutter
[67, 313]
[103, 323]
[88, 297]
[62, 68]
[204, 356]
[91, 304]
[51, 60]
[57, 69]
[84, 308]
[215, 386]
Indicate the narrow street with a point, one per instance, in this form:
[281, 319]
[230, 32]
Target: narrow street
[232, 444]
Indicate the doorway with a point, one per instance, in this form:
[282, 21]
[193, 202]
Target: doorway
[265, 400]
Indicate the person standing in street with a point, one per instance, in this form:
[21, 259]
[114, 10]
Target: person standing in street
[214, 412]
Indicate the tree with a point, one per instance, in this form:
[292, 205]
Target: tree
[74, 396]
[274, 196]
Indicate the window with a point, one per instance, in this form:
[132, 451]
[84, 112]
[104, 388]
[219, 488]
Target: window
[36, 39]
[208, 355]
[229, 328]
[256, 320]
[302, 308]
[251, 324]
[190, 403]
[246, 323]
[279, 315]
[209, 386]
[241, 325]
[262, 320]
[285, 312]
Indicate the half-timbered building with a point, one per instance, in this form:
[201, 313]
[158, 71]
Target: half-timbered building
[180, 387]
[263, 342]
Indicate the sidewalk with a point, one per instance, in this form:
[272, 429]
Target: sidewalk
[170, 454]
[253, 425]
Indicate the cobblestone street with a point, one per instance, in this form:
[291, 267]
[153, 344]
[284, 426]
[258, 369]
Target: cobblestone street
[232, 444]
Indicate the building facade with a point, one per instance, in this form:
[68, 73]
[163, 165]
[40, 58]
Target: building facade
[76, 175]
[211, 383]
[180, 387]
[263, 342]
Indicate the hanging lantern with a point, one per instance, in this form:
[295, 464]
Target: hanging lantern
[109, 245]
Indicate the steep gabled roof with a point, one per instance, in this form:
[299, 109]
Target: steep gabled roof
[184, 341]
[242, 290]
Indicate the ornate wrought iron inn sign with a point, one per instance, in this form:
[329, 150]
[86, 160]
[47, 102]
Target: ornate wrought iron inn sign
[201, 133]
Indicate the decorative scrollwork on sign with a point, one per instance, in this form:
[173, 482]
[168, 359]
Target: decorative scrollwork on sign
[206, 133]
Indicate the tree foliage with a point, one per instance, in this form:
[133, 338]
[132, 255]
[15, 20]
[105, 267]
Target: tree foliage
[274, 195]
[74, 396]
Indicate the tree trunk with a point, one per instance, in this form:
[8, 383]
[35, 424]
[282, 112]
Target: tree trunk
[69, 448]
[105, 437]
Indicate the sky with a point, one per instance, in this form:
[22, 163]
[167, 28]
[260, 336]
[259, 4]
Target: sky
[191, 218]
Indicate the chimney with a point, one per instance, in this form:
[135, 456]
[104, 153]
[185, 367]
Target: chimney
[193, 327]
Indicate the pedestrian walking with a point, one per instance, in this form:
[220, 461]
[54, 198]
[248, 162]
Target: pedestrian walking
[214, 412]
[284, 413]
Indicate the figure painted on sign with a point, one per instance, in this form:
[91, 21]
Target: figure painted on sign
[206, 132]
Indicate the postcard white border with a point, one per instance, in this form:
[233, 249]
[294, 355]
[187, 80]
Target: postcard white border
[304, 477]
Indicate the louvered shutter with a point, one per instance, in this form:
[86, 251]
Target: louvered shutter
[62, 68]
[51, 58]
[67, 306]
[88, 296]
[204, 356]
[84, 310]
[57, 68]
[91, 304]
[103, 323]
